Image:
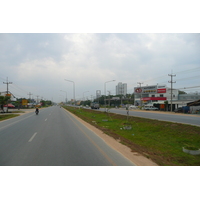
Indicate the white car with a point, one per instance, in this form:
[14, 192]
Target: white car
[133, 107]
[150, 108]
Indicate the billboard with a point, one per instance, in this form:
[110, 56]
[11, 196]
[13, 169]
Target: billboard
[154, 89]
[163, 90]
[146, 90]
[24, 102]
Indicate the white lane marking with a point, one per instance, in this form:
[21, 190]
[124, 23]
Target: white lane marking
[32, 137]
[45, 120]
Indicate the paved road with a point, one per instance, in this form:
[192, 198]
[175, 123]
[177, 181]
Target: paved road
[53, 138]
[173, 117]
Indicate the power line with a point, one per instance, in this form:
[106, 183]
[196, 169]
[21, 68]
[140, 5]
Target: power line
[188, 78]
[29, 95]
[185, 71]
[197, 68]
[189, 87]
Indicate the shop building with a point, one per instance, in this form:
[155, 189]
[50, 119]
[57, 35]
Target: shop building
[159, 94]
[154, 94]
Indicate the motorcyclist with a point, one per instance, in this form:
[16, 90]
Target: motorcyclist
[37, 110]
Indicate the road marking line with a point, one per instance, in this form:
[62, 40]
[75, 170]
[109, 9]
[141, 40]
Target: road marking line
[32, 137]
[45, 120]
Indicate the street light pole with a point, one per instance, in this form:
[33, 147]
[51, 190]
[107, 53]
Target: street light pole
[140, 93]
[73, 88]
[105, 92]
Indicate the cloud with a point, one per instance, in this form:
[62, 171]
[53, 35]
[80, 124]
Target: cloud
[39, 63]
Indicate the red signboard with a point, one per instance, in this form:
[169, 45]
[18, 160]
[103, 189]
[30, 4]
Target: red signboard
[163, 90]
[153, 98]
[138, 90]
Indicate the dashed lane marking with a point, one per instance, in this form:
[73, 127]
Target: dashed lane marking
[32, 137]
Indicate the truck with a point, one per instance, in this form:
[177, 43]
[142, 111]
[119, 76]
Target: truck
[94, 105]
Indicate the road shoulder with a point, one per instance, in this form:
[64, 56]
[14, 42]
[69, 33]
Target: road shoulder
[134, 157]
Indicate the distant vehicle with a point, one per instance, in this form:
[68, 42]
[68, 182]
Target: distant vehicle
[94, 105]
[178, 110]
[37, 112]
[150, 108]
[133, 107]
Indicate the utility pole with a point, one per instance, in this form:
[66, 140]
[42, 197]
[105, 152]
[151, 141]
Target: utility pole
[29, 97]
[7, 84]
[37, 98]
[7, 90]
[140, 93]
[172, 75]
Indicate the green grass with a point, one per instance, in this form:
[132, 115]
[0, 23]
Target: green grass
[8, 116]
[160, 141]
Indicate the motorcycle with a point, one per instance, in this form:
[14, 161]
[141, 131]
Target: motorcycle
[37, 111]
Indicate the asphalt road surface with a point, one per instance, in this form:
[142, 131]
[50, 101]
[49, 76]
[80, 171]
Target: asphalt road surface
[171, 117]
[53, 138]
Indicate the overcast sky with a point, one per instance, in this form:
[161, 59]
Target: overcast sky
[39, 63]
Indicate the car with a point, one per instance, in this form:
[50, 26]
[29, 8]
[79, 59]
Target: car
[133, 107]
[154, 108]
[150, 108]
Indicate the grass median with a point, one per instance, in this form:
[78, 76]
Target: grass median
[159, 141]
[7, 116]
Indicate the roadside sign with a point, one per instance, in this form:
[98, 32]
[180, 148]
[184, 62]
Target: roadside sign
[24, 102]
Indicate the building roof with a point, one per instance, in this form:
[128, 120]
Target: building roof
[194, 103]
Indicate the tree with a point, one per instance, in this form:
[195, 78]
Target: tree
[181, 92]
[3, 101]
[46, 103]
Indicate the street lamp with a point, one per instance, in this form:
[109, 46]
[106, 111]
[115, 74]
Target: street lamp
[105, 92]
[66, 94]
[73, 88]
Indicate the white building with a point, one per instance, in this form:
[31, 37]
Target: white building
[9, 94]
[121, 88]
[160, 93]
[154, 93]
